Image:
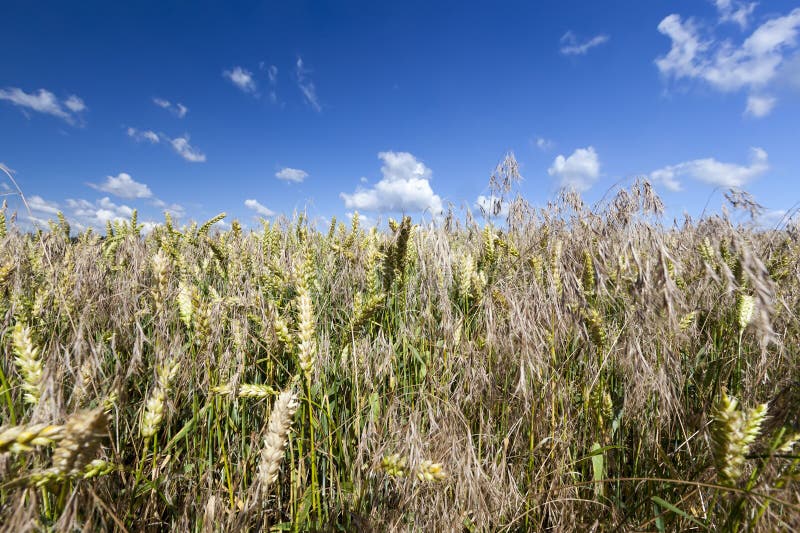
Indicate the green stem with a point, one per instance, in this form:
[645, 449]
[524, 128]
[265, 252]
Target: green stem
[7, 394]
[315, 499]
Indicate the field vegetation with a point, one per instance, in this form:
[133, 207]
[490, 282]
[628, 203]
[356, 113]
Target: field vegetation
[563, 368]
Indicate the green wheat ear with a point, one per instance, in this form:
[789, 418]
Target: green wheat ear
[26, 357]
[732, 433]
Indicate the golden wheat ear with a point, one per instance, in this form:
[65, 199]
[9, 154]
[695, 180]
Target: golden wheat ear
[280, 422]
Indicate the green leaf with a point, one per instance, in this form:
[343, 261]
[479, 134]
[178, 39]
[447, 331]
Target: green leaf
[598, 468]
[666, 505]
[375, 406]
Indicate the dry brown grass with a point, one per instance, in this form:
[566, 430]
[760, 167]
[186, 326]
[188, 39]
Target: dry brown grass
[566, 370]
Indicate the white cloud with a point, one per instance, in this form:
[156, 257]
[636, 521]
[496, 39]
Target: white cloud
[272, 73]
[544, 144]
[177, 109]
[759, 106]
[45, 102]
[488, 204]
[146, 135]
[179, 144]
[97, 213]
[291, 174]
[175, 210]
[307, 86]
[571, 46]
[751, 65]
[242, 78]
[405, 186]
[187, 151]
[75, 104]
[579, 171]
[41, 206]
[123, 186]
[714, 172]
[258, 207]
[81, 214]
[735, 11]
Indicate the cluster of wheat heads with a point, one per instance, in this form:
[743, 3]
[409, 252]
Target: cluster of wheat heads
[577, 368]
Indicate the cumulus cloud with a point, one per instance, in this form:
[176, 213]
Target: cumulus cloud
[40, 206]
[86, 214]
[751, 65]
[45, 102]
[759, 106]
[146, 135]
[258, 207]
[291, 174]
[405, 186]
[242, 78]
[123, 186]
[713, 172]
[579, 171]
[177, 109]
[307, 86]
[99, 212]
[187, 151]
[41, 211]
[570, 45]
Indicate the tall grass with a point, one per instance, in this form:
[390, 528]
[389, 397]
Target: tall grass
[571, 369]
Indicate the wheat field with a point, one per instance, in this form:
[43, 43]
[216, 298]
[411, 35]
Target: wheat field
[567, 369]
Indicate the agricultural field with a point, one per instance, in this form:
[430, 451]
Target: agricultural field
[567, 368]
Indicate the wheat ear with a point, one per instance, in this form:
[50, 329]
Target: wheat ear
[280, 422]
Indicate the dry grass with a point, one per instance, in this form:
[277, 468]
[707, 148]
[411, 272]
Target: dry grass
[571, 369]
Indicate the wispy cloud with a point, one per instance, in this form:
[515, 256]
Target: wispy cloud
[242, 78]
[272, 75]
[45, 102]
[735, 11]
[759, 106]
[258, 207]
[570, 45]
[187, 151]
[751, 65]
[181, 144]
[146, 135]
[579, 171]
[713, 172]
[177, 109]
[291, 174]
[124, 186]
[543, 144]
[306, 85]
[75, 104]
[405, 186]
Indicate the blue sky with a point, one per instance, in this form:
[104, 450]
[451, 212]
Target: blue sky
[385, 107]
